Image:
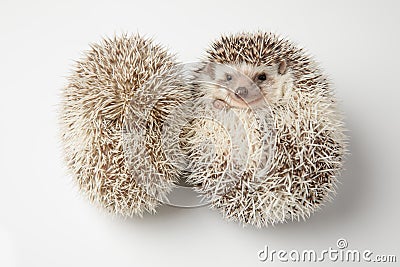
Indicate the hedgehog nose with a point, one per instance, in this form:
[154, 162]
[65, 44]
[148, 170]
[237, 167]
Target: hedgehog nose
[241, 92]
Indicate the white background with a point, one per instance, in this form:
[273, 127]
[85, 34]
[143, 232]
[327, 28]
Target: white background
[44, 221]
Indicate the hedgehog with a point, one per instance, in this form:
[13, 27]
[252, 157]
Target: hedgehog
[268, 141]
[119, 118]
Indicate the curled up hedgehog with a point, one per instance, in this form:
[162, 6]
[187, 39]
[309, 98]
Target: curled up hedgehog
[269, 143]
[116, 120]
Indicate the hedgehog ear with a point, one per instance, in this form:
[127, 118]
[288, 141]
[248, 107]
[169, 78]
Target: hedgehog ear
[282, 67]
[209, 70]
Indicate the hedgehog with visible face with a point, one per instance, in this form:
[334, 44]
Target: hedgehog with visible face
[267, 143]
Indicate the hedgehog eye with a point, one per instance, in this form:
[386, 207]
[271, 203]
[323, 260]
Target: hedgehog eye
[262, 77]
[228, 77]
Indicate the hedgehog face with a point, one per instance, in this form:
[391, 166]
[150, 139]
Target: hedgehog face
[243, 85]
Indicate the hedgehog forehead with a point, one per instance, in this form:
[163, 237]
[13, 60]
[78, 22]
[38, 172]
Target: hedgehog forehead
[241, 69]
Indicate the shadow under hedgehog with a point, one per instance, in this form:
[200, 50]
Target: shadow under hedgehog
[270, 141]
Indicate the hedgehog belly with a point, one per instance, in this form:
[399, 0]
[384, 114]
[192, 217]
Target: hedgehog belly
[229, 148]
[266, 166]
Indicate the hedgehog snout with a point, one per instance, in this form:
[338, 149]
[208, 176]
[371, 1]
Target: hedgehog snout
[241, 92]
[247, 93]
